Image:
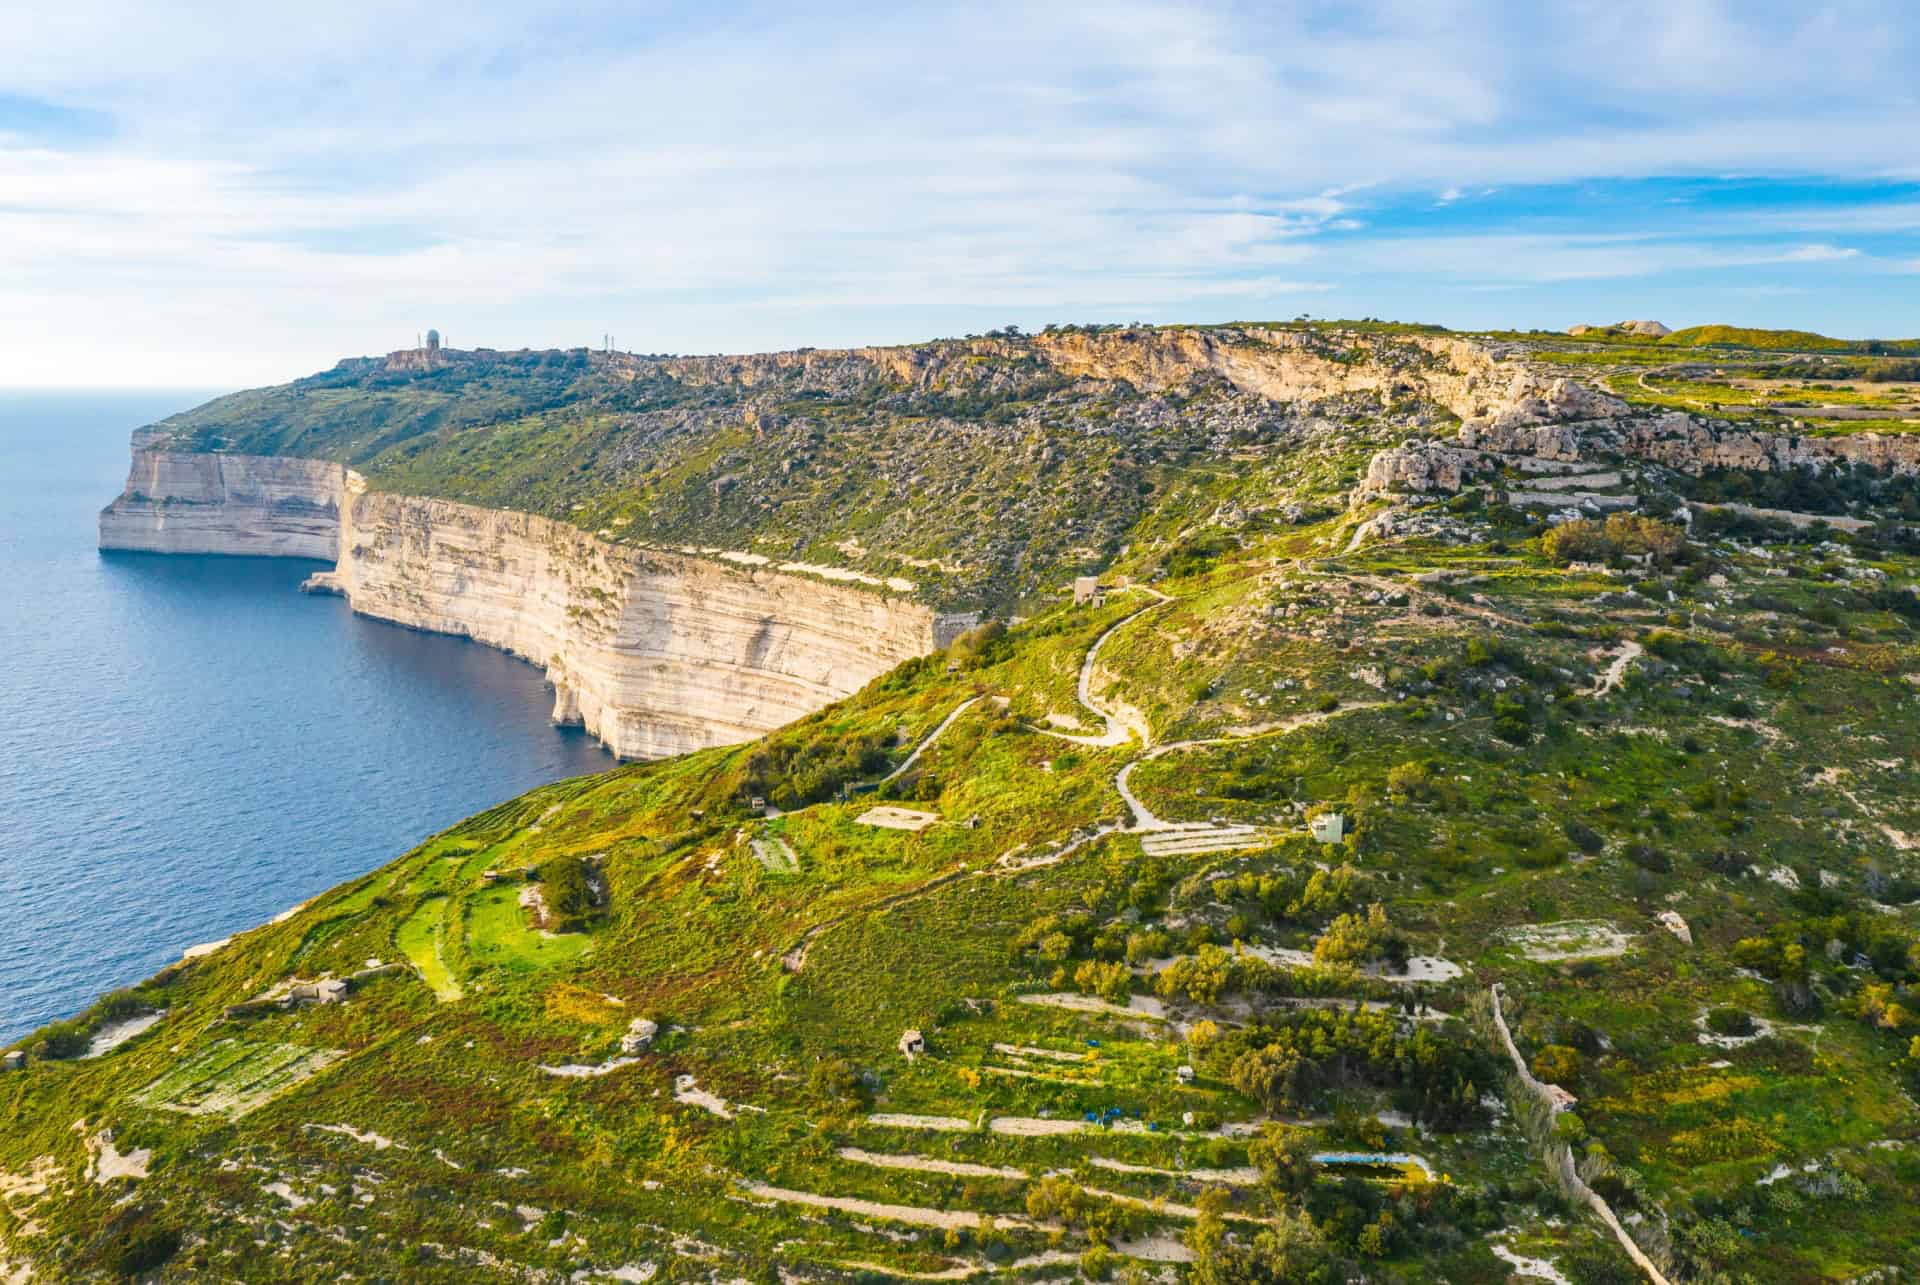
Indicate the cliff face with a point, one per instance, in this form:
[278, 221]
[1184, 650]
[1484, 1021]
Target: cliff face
[264, 506]
[1278, 364]
[654, 653]
[1478, 381]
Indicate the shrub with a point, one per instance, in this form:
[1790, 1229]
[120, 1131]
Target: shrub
[1583, 837]
[1729, 1021]
[1409, 780]
[979, 646]
[1581, 540]
[1512, 719]
[1557, 1064]
[833, 1082]
[794, 774]
[1648, 857]
[568, 895]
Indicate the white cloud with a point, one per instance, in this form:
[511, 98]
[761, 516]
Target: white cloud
[1819, 254]
[288, 185]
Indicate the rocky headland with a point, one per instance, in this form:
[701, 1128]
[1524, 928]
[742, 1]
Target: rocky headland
[653, 652]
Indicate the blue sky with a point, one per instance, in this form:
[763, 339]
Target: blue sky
[206, 194]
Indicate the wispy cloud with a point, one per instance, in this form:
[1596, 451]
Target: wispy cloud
[1819, 254]
[282, 186]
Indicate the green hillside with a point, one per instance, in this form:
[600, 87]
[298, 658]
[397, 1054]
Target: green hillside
[1646, 790]
[1786, 341]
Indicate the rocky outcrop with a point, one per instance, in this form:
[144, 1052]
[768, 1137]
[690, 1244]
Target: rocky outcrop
[1280, 364]
[655, 653]
[1418, 465]
[1644, 329]
[1561, 423]
[264, 506]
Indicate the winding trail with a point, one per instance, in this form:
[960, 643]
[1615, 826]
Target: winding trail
[1143, 818]
[932, 736]
[1122, 723]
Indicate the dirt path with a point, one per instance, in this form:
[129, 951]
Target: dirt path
[913, 1215]
[1122, 724]
[1143, 817]
[1562, 1158]
[796, 959]
[932, 1123]
[1837, 521]
[933, 736]
[1616, 671]
[926, 1164]
[1245, 1176]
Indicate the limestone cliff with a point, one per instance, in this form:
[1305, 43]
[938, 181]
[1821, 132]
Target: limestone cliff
[265, 506]
[1281, 365]
[655, 653]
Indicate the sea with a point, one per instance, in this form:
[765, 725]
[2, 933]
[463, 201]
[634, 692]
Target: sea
[189, 745]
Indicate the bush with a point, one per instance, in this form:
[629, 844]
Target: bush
[979, 646]
[1648, 857]
[792, 775]
[834, 1083]
[1581, 540]
[1583, 837]
[1729, 1021]
[1409, 781]
[567, 894]
[1557, 1064]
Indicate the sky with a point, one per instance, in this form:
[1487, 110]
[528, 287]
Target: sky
[220, 195]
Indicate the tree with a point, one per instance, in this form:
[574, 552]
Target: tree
[1289, 1251]
[1284, 1157]
[566, 893]
[1581, 540]
[1353, 939]
[1111, 981]
[1632, 533]
[1377, 1237]
[1275, 1076]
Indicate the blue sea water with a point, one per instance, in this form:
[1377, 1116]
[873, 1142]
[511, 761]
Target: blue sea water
[189, 745]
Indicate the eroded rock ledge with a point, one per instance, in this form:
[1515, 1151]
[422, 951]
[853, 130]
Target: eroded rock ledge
[654, 653]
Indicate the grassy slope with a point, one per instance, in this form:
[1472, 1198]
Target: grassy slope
[1755, 772]
[919, 931]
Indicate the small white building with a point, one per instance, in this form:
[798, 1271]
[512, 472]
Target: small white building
[1184, 1074]
[14, 1059]
[912, 1043]
[1086, 589]
[1329, 827]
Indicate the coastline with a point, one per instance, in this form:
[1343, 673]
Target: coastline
[653, 652]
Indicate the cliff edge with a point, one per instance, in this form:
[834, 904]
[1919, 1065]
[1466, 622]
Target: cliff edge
[655, 653]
